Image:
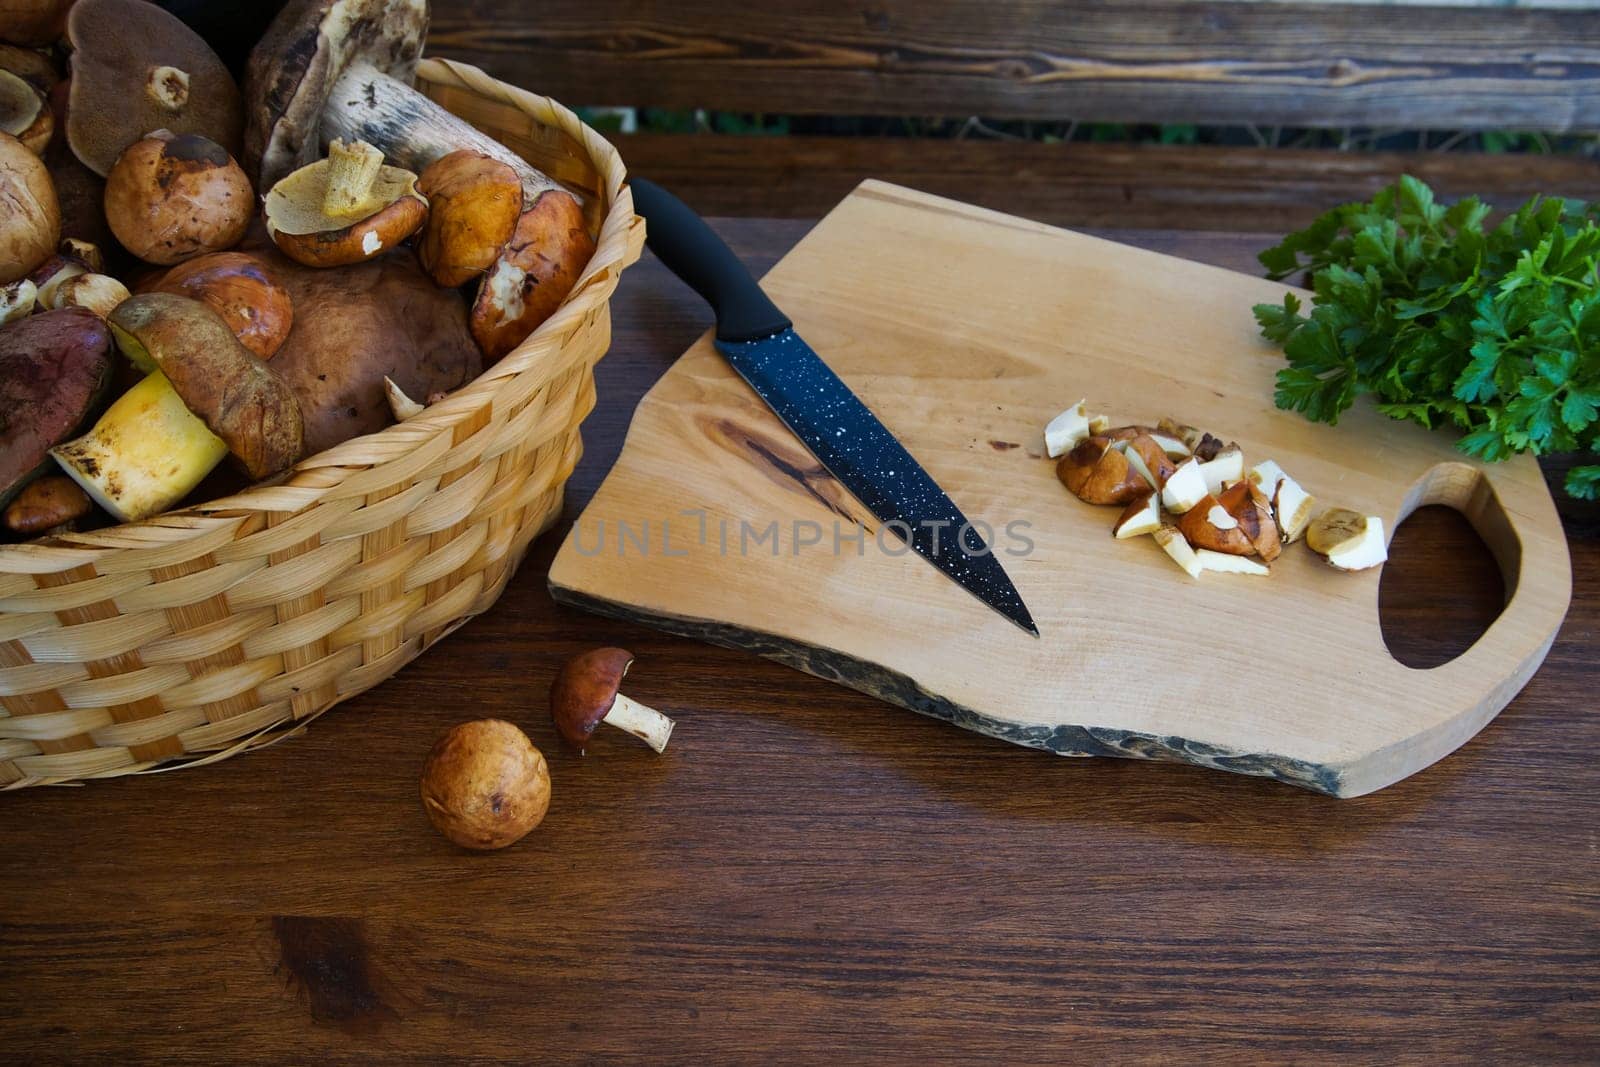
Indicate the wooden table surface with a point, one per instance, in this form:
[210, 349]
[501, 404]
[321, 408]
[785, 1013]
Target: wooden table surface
[808, 875]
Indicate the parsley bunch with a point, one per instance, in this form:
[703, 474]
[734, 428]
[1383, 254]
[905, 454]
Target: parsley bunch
[1495, 332]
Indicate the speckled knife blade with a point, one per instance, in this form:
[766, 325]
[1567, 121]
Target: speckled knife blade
[868, 460]
[759, 341]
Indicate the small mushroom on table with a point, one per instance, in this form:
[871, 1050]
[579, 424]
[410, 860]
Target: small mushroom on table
[585, 694]
[485, 785]
[204, 395]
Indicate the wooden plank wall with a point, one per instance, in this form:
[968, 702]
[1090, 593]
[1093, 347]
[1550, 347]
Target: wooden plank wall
[1462, 65]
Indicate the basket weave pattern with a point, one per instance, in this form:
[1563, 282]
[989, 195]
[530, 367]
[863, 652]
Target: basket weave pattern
[199, 634]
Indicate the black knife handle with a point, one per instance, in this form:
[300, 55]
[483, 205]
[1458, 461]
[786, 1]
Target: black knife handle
[683, 241]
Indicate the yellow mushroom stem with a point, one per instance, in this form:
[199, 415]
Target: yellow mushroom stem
[352, 171]
[147, 452]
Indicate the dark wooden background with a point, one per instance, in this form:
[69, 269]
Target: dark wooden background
[1472, 65]
[1458, 65]
[810, 876]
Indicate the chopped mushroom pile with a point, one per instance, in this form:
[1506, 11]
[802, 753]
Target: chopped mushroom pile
[1193, 494]
[319, 246]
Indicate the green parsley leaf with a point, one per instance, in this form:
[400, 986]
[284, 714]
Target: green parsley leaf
[1442, 321]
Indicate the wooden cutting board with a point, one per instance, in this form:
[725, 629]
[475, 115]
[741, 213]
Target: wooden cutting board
[965, 330]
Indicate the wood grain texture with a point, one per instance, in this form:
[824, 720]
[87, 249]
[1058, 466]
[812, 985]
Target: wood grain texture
[804, 878]
[966, 331]
[1077, 185]
[1120, 60]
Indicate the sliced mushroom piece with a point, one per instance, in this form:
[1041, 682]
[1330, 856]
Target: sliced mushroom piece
[205, 396]
[1207, 447]
[344, 209]
[1185, 487]
[1253, 512]
[1141, 516]
[24, 113]
[1292, 506]
[1149, 459]
[1208, 525]
[171, 197]
[1223, 468]
[1223, 563]
[1066, 430]
[1189, 435]
[55, 368]
[137, 68]
[243, 290]
[1098, 474]
[1348, 539]
[1174, 544]
[30, 225]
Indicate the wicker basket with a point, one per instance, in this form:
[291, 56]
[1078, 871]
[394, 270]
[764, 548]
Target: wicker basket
[201, 633]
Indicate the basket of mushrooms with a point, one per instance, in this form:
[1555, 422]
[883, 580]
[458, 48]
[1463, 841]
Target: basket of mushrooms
[292, 362]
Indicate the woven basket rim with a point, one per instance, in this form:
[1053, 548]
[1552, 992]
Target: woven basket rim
[315, 477]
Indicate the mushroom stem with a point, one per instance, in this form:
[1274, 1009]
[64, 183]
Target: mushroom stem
[145, 454]
[411, 130]
[168, 87]
[352, 170]
[643, 722]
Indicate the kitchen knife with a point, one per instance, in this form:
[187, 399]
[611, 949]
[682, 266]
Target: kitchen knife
[830, 420]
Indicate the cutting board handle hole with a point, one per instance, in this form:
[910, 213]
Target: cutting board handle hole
[1452, 509]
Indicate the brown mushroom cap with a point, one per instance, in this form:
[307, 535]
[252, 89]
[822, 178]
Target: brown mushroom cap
[349, 334]
[46, 503]
[137, 68]
[485, 785]
[31, 66]
[533, 274]
[238, 396]
[243, 290]
[55, 366]
[172, 197]
[584, 690]
[1099, 474]
[1197, 527]
[24, 113]
[302, 224]
[295, 65]
[1253, 511]
[1155, 458]
[32, 22]
[473, 206]
[30, 225]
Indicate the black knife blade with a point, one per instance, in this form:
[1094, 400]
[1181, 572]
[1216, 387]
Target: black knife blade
[760, 343]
